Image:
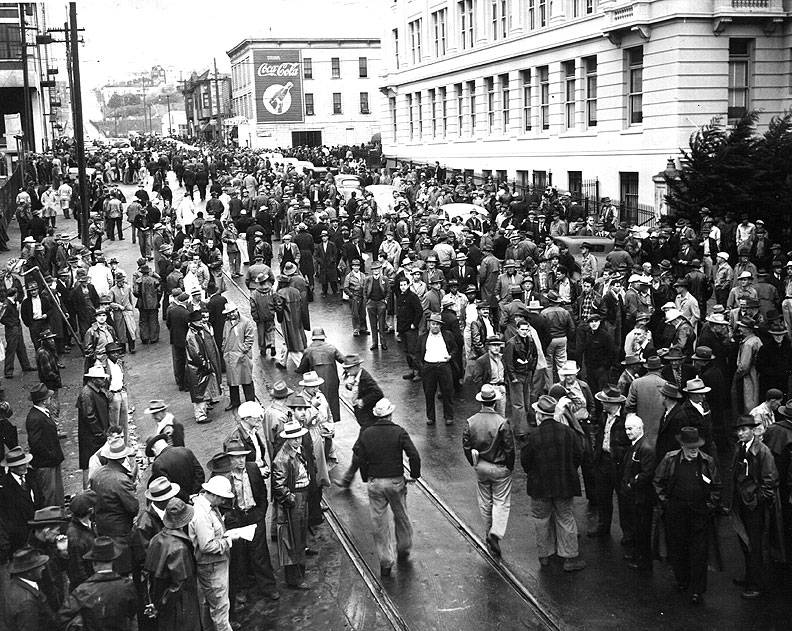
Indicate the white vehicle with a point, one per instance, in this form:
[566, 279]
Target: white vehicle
[460, 210]
[383, 195]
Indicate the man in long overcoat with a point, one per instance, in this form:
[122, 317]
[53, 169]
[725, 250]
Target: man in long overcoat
[93, 416]
[300, 283]
[645, 399]
[323, 357]
[238, 340]
[326, 262]
[288, 309]
[203, 365]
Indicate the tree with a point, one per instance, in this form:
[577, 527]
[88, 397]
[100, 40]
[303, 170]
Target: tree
[774, 168]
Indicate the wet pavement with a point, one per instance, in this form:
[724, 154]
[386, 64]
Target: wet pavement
[448, 584]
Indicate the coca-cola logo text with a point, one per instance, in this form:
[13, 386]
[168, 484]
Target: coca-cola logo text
[279, 70]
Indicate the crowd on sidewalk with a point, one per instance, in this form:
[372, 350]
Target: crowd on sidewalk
[632, 370]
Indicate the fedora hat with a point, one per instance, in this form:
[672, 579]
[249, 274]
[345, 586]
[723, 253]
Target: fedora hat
[610, 394]
[155, 405]
[151, 441]
[716, 318]
[747, 323]
[318, 333]
[311, 378]
[696, 386]
[689, 437]
[570, 367]
[26, 559]
[290, 269]
[494, 339]
[352, 360]
[49, 516]
[39, 393]
[293, 429]
[672, 314]
[515, 290]
[745, 420]
[488, 394]
[777, 328]
[236, 447]
[250, 409]
[177, 514]
[670, 390]
[553, 296]
[15, 457]
[631, 360]
[230, 307]
[297, 401]
[653, 363]
[674, 353]
[220, 486]
[102, 549]
[786, 409]
[703, 354]
[113, 347]
[161, 489]
[383, 407]
[279, 391]
[219, 464]
[96, 372]
[117, 450]
[545, 406]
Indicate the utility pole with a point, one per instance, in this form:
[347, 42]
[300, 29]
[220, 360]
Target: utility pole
[170, 122]
[79, 134]
[219, 103]
[27, 119]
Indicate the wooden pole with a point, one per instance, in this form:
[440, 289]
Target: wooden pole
[79, 132]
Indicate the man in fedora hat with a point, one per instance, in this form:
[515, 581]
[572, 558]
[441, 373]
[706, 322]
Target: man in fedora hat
[353, 288]
[610, 445]
[560, 329]
[49, 368]
[675, 370]
[16, 497]
[27, 608]
[778, 438]
[376, 292]
[551, 457]
[44, 445]
[46, 538]
[105, 601]
[323, 358]
[686, 303]
[80, 536]
[774, 358]
[262, 310]
[238, 340]
[765, 413]
[288, 309]
[292, 473]
[169, 573]
[250, 560]
[636, 495]
[723, 278]
[116, 500]
[255, 429]
[379, 452]
[212, 545]
[673, 419]
[698, 413]
[436, 348]
[489, 447]
[177, 321]
[745, 384]
[93, 416]
[755, 484]
[203, 375]
[688, 485]
[178, 464]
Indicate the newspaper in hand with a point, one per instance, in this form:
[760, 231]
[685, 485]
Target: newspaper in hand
[244, 532]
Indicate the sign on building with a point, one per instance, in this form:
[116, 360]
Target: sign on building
[279, 90]
[13, 125]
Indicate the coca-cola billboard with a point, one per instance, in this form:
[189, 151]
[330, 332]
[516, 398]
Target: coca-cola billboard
[279, 89]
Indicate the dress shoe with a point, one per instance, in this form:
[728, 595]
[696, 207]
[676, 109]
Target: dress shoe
[751, 594]
[355, 333]
[408, 376]
[696, 599]
[494, 545]
[385, 571]
[384, 347]
[373, 347]
[574, 564]
[366, 332]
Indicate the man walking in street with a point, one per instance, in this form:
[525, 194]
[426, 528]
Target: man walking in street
[551, 457]
[147, 290]
[520, 357]
[44, 445]
[376, 292]
[637, 494]
[238, 339]
[435, 349]
[379, 453]
[177, 321]
[489, 447]
[14, 342]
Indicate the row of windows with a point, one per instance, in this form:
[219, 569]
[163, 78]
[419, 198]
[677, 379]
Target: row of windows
[337, 104]
[500, 24]
[335, 67]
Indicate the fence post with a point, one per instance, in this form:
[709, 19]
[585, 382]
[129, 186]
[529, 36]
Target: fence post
[596, 191]
[549, 177]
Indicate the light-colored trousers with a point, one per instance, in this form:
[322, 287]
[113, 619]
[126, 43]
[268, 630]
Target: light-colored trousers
[213, 595]
[556, 528]
[556, 355]
[494, 496]
[385, 492]
[119, 411]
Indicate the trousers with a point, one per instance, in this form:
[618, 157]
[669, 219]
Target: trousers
[688, 539]
[556, 354]
[384, 493]
[15, 347]
[119, 411]
[149, 325]
[755, 572]
[494, 496]
[251, 558]
[247, 388]
[607, 478]
[47, 483]
[179, 357]
[520, 397]
[435, 375]
[357, 308]
[376, 315]
[213, 595]
[556, 528]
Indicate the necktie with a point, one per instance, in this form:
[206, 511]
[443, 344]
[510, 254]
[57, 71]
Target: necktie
[23, 482]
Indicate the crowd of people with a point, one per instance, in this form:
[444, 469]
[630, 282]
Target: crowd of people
[631, 369]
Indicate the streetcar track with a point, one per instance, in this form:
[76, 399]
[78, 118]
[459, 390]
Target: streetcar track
[375, 585]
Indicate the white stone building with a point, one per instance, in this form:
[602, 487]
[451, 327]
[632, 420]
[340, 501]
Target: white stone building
[335, 93]
[572, 90]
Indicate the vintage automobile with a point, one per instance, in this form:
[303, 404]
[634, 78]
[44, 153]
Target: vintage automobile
[383, 195]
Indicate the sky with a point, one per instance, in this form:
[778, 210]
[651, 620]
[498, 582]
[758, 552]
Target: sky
[132, 35]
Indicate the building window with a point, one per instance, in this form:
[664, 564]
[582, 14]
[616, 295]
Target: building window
[544, 96]
[336, 103]
[489, 86]
[308, 68]
[411, 115]
[465, 11]
[10, 40]
[392, 107]
[591, 91]
[472, 106]
[635, 86]
[628, 182]
[441, 95]
[575, 181]
[419, 106]
[415, 40]
[335, 65]
[460, 103]
[532, 14]
[505, 102]
[526, 99]
[582, 7]
[739, 78]
[523, 178]
[364, 103]
[433, 111]
[309, 104]
[206, 99]
[439, 19]
[363, 67]
[569, 94]
[540, 179]
[500, 17]
[542, 18]
[589, 7]
[395, 33]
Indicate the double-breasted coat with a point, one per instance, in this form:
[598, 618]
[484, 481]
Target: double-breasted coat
[203, 362]
[93, 419]
[326, 262]
[288, 306]
[238, 340]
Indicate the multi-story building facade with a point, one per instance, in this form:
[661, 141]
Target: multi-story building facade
[332, 86]
[565, 91]
[204, 112]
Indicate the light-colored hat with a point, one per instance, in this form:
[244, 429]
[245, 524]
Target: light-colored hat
[96, 372]
[318, 333]
[570, 367]
[447, 301]
[311, 378]
[155, 405]
[230, 308]
[488, 394]
[723, 255]
[115, 450]
[15, 457]
[696, 386]
[744, 275]
[250, 409]
[161, 489]
[672, 314]
[219, 485]
[293, 429]
[383, 407]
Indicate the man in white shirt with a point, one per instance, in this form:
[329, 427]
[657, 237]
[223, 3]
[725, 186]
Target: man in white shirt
[64, 197]
[435, 349]
[119, 402]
